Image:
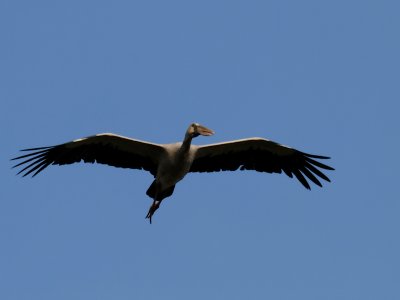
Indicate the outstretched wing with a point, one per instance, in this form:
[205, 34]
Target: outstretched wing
[105, 148]
[260, 155]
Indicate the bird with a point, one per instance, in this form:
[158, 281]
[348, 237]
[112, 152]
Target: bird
[169, 163]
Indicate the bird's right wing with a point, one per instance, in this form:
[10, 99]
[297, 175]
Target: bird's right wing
[106, 148]
[260, 155]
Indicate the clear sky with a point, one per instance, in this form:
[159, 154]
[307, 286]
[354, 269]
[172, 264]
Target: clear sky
[320, 76]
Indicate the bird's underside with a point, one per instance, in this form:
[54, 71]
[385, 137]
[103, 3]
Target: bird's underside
[169, 163]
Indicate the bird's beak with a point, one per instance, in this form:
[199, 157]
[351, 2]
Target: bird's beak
[204, 130]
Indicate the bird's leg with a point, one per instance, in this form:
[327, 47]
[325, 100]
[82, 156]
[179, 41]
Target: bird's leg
[153, 208]
[155, 205]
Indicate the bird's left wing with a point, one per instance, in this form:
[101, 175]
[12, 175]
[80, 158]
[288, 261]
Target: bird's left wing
[260, 155]
[105, 148]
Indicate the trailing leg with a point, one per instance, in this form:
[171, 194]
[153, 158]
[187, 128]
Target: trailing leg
[152, 209]
[156, 192]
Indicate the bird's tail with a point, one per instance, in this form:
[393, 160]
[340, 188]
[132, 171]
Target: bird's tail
[157, 196]
[151, 192]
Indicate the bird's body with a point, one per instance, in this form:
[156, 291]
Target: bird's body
[169, 163]
[175, 164]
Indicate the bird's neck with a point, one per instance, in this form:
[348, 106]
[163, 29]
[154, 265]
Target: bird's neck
[186, 143]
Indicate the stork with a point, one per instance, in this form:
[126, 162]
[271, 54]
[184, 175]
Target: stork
[169, 163]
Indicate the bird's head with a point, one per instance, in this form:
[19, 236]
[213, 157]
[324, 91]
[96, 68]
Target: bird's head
[196, 129]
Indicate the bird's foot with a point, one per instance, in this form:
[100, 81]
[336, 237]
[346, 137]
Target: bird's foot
[152, 209]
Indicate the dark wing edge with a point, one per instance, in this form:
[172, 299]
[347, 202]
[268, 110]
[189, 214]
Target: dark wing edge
[263, 156]
[304, 166]
[107, 149]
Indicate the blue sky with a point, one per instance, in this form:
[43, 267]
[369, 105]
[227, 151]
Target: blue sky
[320, 76]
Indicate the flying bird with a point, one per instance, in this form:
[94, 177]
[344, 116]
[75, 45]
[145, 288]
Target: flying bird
[169, 163]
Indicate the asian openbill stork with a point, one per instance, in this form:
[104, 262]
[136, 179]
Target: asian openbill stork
[169, 163]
